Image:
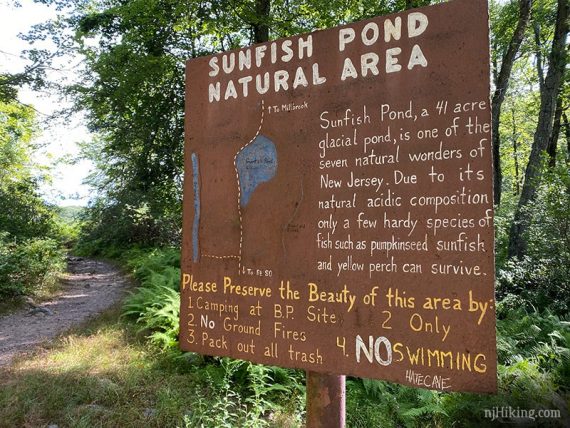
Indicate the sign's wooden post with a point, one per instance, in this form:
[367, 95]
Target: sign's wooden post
[326, 399]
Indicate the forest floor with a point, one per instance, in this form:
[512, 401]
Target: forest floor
[89, 287]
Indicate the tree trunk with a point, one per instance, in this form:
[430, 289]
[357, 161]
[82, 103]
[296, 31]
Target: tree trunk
[553, 141]
[261, 24]
[495, 64]
[567, 133]
[516, 154]
[501, 89]
[552, 82]
[538, 54]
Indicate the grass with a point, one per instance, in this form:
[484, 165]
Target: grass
[104, 374]
[101, 376]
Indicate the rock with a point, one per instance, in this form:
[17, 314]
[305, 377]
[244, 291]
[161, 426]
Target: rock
[194, 358]
[107, 384]
[149, 413]
[30, 302]
[87, 285]
[92, 408]
[95, 407]
[40, 310]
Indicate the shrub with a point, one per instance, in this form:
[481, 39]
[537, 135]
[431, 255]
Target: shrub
[30, 267]
[542, 339]
[156, 303]
[542, 277]
[540, 283]
[378, 403]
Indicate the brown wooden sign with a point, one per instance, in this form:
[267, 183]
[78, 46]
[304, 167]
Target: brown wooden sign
[338, 209]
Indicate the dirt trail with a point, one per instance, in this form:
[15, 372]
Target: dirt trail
[89, 288]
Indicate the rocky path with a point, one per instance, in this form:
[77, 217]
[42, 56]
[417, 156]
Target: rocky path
[90, 287]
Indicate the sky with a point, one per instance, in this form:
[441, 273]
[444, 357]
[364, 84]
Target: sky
[58, 140]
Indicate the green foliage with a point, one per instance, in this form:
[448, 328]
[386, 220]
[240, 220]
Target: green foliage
[70, 214]
[549, 233]
[7, 90]
[22, 211]
[134, 96]
[144, 263]
[518, 121]
[539, 283]
[156, 303]
[377, 403]
[542, 278]
[133, 224]
[16, 132]
[29, 267]
[521, 385]
[30, 255]
[239, 393]
[542, 338]
[221, 409]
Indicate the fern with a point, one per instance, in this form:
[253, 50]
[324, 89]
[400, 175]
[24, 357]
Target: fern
[156, 303]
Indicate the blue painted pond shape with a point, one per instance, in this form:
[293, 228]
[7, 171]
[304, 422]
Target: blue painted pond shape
[256, 164]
